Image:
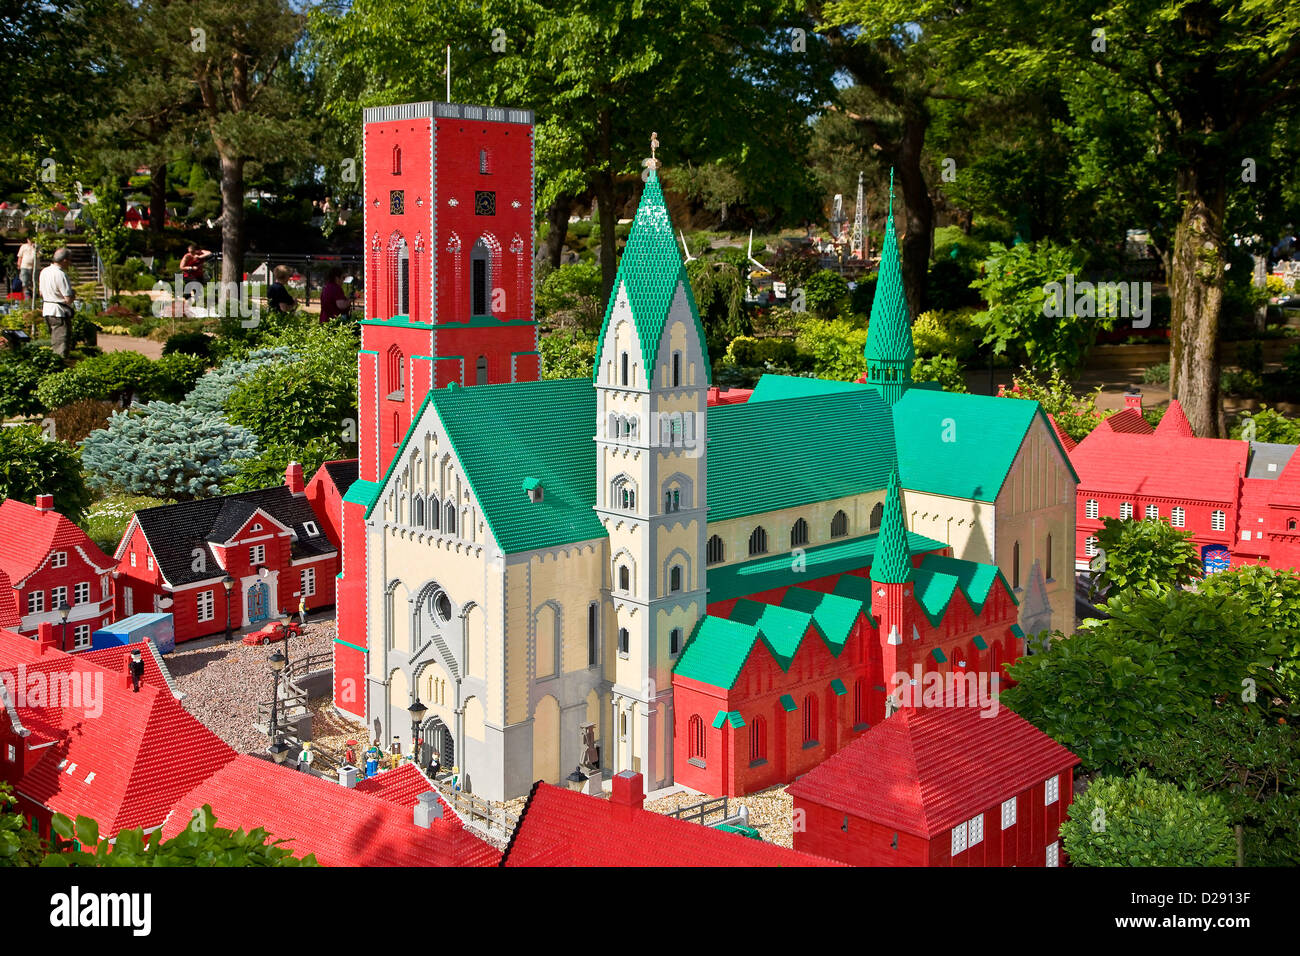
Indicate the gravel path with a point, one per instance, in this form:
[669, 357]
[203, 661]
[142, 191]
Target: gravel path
[223, 683]
[129, 343]
[771, 811]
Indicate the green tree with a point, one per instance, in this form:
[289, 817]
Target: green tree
[266, 468]
[836, 346]
[21, 372]
[944, 369]
[166, 451]
[1271, 597]
[1139, 821]
[1075, 415]
[719, 291]
[202, 843]
[19, 846]
[1145, 554]
[567, 355]
[826, 293]
[31, 465]
[1269, 425]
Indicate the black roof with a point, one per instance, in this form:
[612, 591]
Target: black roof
[174, 532]
[342, 473]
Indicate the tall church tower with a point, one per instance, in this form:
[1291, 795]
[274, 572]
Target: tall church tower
[889, 348]
[891, 589]
[651, 377]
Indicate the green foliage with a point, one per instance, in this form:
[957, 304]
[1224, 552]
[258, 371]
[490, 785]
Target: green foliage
[31, 465]
[836, 347]
[1271, 596]
[571, 296]
[189, 343]
[1145, 554]
[944, 333]
[166, 451]
[948, 283]
[1161, 658]
[1018, 322]
[1156, 374]
[119, 375]
[826, 293]
[214, 389]
[266, 468]
[1252, 765]
[944, 369]
[107, 231]
[774, 353]
[776, 320]
[1270, 426]
[108, 518]
[202, 843]
[19, 846]
[719, 292]
[794, 265]
[567, 355]
[21, 371]
[1140, 821]
[1076, 416]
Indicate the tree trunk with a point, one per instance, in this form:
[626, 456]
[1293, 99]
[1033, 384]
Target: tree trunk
[920, 212]
[232, 219]
[1196, 294]
[157, 204]
[557, 217]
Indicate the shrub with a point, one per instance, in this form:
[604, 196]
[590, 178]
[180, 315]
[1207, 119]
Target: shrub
[1140, 821]
[826, 293]
[835, 347]
[777, 320]
[115, 375]
[31, 465]
[1146, 554]
[211, 392]
[21, 372]
[948, 284]
[567, 355]
[294, 402]
[1075, 416]
[571, 296]
[944, 369]
[72, 423]
[1156, 374]
[944, 333]
[189, 343]
[174, 376]
[166, 451]
[862, 295]
[1269, 425]
[266, 468]
[747, 351]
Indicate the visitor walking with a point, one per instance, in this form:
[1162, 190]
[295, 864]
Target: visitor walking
[57, 297]
[277, 294]
[27, 266]
[334, 302]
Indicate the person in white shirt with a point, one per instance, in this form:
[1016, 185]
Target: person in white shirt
[57, 296]
[27, 266]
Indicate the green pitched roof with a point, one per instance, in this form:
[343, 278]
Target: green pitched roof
[833, 616]
[362, 493]
[717, 651]
[729, 717]
[894, 562]
[782, 628]
[974, 579]
[788, 704]
[649, 272]
[889, 336]
[837, 685]
[775, 387]
[764, 456]
[775, 570]
[934, 593]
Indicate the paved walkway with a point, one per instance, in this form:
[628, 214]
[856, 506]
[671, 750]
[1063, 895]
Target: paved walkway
[130, 343]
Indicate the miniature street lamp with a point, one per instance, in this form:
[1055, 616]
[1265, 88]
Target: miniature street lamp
[576, 780]
[227, 582]
[417, 711]
[279, 751]
[276, 662]
[64, 611]
[285, 619]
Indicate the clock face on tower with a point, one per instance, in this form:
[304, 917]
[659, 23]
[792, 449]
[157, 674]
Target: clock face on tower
[485, 203]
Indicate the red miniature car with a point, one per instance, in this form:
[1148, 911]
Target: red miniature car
[275, 631]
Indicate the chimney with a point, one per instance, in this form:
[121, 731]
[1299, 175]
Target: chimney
[628, 790]
[348, 776]
[45, 637]
[44, 502]
[293, 478]
[1133, 399]
[427, 809]
[714, 394]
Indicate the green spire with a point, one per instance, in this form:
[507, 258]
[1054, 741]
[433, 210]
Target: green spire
[889, 349]
[893, 561]
[650, 269]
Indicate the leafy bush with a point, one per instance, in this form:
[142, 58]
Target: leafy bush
[835, 346]
[166, 451]
[1146, 554]
[1140, 821]
[19, 846]
[119, 375]
[1269, 426]
[31, 465]
[948, 284]
[21, 372]
[189, 343]
[748, 351]
[1271, 596]
[1075, 416]
[826, 293]
[944, 333]
[719, 292]
[862, 295]
[571, 296]
[1156, 374]
[944, 369]
[567, 355]
[777, 320]
[794, 264]
[266, 468]
[211, 392]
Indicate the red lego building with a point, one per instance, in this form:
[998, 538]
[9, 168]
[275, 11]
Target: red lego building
[939, 786]
[242, 559]
[77, 738]
[559, 827]
[1240, 499]
[47, 561]
[325, 494]
[449, 298]
[375, 826]
[768, 688]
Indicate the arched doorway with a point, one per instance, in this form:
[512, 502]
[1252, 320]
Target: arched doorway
[436, 739]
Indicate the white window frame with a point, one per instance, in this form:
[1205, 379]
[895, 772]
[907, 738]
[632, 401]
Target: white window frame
[1090, 509]
[58, 595]
[307, 582]
[207, 603]
[1090, 546]
[1125, 510]
[958, 838]
[81, 593]
[35, 602]
[1053, 856]
[59, 559]
[1178, 518]
[311, 529]
[132, 559]
[1009, 813]
[257, 555]
[1152, 512]
[975, 830]
[1051, 790]
[81, 637]
[1218, 520]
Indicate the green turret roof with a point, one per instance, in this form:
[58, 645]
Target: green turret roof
[893, 564]
[650, 271]
[889, 336]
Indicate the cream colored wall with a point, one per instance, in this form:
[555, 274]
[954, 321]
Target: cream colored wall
[964, 524]
[735, 532]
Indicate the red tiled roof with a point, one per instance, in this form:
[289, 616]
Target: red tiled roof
[1066, 441]
[10, 617]
[119, 757]
[28, 535]
[923, 771]
[1203, 469]
[1174, 424]
[401, 786]
[116, 659]
[1129, 421]
[562, 828]
[342, 826]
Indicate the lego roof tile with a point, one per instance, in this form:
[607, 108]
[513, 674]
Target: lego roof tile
[973, 577]
[1127, 421]
[342, 473]
[1174, 422]
[362, 493]
[28, 536]
[922, 771]
[1158, 466]
[889, 333]
[561, 828]
[833, 614]
[782, 628]
[893, 564]
[717, 651]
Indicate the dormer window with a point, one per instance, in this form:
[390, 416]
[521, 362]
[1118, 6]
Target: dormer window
[311, 529]
[534, 488]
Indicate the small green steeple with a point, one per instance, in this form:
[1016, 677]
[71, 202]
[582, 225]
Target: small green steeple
[889, 349]
[893, 561]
